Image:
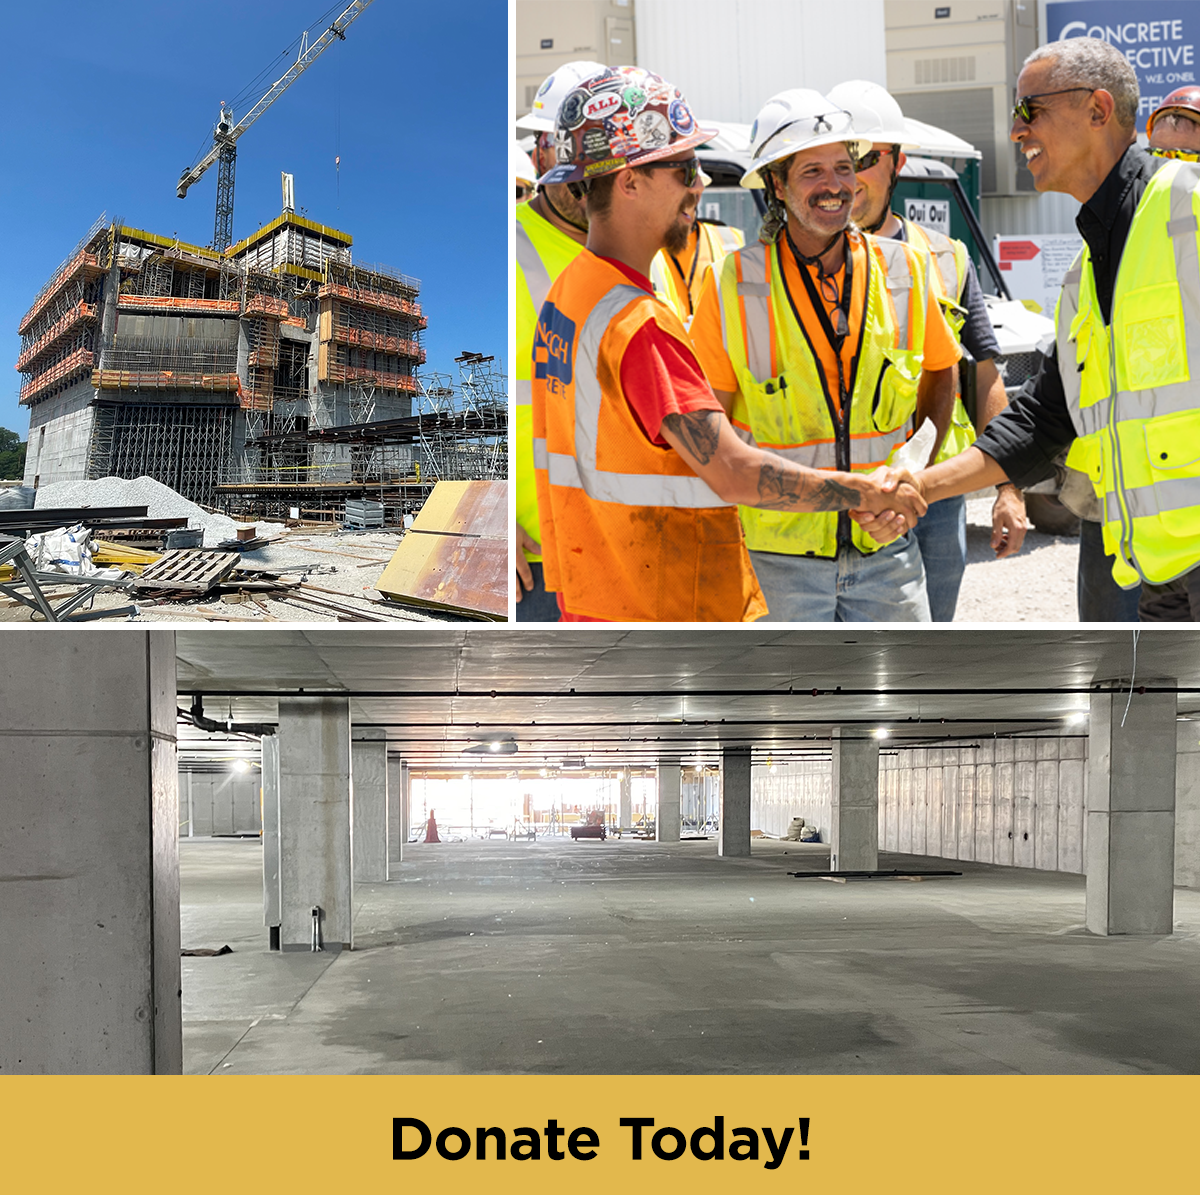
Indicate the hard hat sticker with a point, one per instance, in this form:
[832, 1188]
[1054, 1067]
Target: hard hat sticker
[570, 113]
[681, 118]
[595, 144]
[604, 167]
[634, 98]
[601, 105]
[564, 146]
[651, 130]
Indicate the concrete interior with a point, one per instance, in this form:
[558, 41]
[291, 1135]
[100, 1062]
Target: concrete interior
[628, 957]
[1031, 762]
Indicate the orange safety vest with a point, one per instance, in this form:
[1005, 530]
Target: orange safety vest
[629, 532]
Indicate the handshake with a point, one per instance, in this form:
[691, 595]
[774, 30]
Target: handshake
[894, 500]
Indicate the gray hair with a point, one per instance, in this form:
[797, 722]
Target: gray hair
[1092, 62]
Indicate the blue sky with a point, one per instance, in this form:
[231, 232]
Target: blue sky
[105, 105]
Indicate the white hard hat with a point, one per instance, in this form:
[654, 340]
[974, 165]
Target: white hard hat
[524, 171]
[795, 120]
[553, 91]
[876, 114]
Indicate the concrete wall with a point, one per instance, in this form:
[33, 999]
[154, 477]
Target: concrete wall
[60, 452]
[780, 792]
[219, 803]
[1014, 802]
[1187, 805]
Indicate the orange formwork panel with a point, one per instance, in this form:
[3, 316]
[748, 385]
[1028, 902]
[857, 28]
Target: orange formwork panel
[82, 263]
[333, 372]
[381, 300]
[266, 306]
[80, 361]
[167, 303]
[162, 379]
[79, 313]
[397, 346]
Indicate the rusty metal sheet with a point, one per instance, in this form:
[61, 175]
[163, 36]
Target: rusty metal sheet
[455, 555]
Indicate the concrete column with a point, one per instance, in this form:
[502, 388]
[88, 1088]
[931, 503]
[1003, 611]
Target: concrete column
[1131, 812]
[625, 801]
[314, 820]
[733, 837]
[854, 804]
[270, 837]
[394, 819]
[368, 760]
[89, 853]
[666, 820]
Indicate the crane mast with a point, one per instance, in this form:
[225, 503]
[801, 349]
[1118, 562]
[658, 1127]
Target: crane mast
[226, 133]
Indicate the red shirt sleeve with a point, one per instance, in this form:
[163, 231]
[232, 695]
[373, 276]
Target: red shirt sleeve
[661, 376]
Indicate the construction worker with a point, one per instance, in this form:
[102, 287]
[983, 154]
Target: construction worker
[551, 231]
[637, 466]
[823, 344]
[942, 533]
[1174, 126]
[1122, 384]
[524, 174]
[679, 277]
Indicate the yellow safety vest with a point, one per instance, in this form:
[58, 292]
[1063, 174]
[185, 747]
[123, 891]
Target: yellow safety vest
[949, 279]
[543, 252]
[1133, 388]
[781, 404]
[717, 242]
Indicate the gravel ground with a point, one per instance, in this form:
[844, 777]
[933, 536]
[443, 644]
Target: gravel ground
[1035, 585]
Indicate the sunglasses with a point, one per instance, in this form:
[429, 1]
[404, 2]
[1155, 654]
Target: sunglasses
[1022, 110]
[871, 158]
[690, 168]
[523, 193]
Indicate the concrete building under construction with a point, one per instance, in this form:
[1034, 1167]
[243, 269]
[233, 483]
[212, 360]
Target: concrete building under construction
[143, 355]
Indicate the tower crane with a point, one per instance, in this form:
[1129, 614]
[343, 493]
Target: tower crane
[226, 133]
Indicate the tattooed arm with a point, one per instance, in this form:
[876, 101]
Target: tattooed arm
[741, 473]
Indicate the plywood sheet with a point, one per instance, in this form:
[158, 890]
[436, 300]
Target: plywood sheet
[455, 555]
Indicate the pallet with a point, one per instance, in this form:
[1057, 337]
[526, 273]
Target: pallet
[195, 570]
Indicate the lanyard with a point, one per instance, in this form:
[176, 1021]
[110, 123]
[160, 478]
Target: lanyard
[691, 273]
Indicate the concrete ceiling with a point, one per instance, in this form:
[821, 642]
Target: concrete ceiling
[646, 695]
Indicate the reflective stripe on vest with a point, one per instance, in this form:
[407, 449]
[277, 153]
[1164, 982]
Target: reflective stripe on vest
[780, 406]
[1133, 388]
[537, 277]
[628, 489]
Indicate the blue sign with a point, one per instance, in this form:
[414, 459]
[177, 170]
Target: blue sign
[1157, 36]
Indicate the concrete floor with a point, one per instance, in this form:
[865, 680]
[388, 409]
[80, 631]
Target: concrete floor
[626, 957]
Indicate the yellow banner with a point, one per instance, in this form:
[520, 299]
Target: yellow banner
[741, 1133]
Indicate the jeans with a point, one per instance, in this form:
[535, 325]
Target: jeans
[1176, 601]
[887, 586]
[1098, 596]
[942, 534]
[536, 605]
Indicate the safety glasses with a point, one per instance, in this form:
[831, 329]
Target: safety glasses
[690, 168]
[871, 158]
[523, 193]
[1179, 155]
[800, 132]
[1023, 112]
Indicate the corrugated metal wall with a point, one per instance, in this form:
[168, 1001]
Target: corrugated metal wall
[728, 56]
[1013, 215]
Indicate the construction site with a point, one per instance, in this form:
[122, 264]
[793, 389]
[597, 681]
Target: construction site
[274, 379]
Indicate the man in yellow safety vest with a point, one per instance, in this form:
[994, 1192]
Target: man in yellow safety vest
[1122, 383]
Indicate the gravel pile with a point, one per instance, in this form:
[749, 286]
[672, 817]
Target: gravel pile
[161, 502]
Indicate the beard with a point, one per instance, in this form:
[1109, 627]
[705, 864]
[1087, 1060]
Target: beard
[677, 236]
